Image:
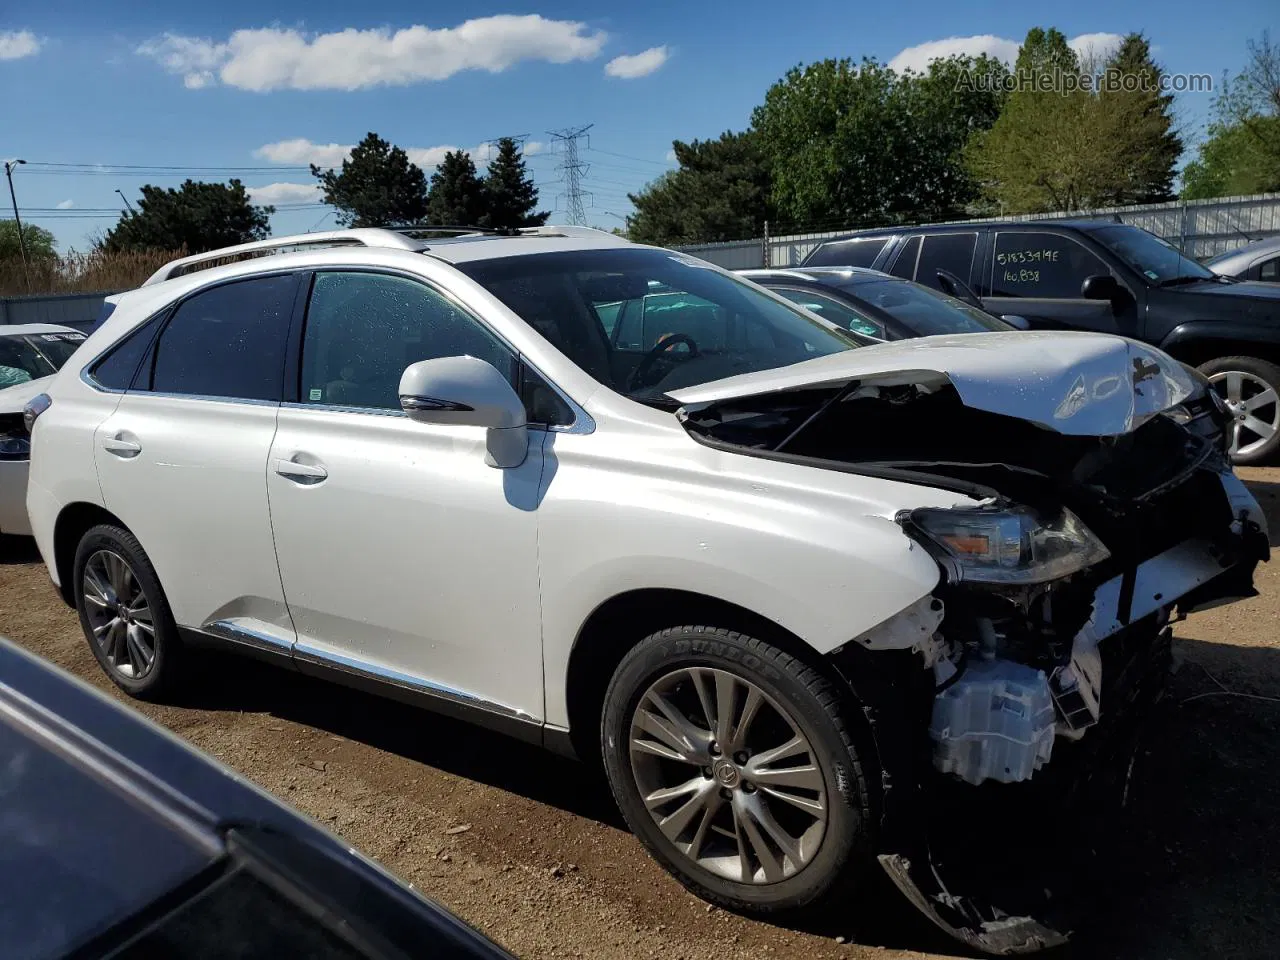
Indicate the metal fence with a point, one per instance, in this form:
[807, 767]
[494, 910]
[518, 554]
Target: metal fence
[1199, 228]
[78, 310]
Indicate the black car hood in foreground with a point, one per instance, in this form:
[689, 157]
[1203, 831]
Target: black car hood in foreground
[118, 840]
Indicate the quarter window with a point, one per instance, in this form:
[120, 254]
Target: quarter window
[952, 252]
[115, 371]
[1270, 270]
[905, 265]
[1041, 265]
[227, 341]
[856, 252]
[363, 329]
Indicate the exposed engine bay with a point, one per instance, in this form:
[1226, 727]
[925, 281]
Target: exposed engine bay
[1029, 666]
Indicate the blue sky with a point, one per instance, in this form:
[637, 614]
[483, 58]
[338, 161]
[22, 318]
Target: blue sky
[273, 85]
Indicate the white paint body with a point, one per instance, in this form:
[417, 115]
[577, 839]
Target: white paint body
[415, 557]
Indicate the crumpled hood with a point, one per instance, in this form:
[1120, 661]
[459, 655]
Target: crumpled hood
[13, 399]
[1082, 384]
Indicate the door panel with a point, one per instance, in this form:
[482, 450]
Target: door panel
[410, 555]
[187, 477]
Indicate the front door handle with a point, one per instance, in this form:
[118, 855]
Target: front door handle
[301, 472]
[118, 445]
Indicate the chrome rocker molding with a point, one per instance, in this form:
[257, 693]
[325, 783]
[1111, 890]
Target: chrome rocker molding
[385, 682]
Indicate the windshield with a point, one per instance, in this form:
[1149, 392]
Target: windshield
[645, 321]
[923, 311]
[30, 357]
[1158, 261]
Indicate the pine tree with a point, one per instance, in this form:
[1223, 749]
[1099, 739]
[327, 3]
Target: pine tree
[510, 197]
[1143, 118]
[457, 196]
[377, 186]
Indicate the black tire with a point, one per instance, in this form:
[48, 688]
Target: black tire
[1259, 370]
[818, 710]
[163, 674]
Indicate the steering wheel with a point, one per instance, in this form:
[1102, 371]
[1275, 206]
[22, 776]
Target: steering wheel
[657, 353]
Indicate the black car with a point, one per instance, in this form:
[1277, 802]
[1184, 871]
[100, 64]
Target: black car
[118, 840]
[878, 305]
[1106, 277]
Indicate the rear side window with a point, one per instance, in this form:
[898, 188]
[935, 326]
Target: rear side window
[116, 370]
[1270, 270]
[905, 265]
[228, 341]
[952, 252]
[856, 252]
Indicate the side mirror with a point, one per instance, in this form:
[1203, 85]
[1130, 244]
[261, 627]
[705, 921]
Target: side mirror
[1100, 287]
[1013, 320]
[465, 391]
[954, 286]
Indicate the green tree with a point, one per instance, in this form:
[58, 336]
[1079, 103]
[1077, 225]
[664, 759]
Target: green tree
[509, 195]
[39, 242]
[1242, 152]
[1071, 139]
[196, 216]
[852, 143]
[457, 195]
[721, 191]
[377, 186]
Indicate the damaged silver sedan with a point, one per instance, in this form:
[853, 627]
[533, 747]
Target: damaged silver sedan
[1096, 507]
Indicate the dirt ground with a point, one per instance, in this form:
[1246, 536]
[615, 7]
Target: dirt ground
[546, 867]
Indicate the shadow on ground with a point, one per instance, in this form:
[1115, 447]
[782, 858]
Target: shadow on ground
[1192, 871]
[1268, 496]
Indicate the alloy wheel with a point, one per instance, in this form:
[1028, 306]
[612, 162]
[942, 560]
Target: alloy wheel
[119, 614]
[1252, 404]
[728, 776]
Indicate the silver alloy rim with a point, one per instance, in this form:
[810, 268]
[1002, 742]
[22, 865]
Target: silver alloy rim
[728, 776]
[1252, 404]
[119, 615]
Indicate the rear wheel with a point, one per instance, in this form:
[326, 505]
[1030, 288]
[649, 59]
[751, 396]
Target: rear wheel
[732, 762]
[1251, 390]
[124, 613]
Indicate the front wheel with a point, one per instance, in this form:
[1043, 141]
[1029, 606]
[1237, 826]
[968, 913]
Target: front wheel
[1251, 390]
[733, 764]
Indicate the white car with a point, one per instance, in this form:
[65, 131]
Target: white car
[30, 353]
[756, 569]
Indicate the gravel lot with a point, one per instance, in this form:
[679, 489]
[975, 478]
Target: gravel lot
[529, 848]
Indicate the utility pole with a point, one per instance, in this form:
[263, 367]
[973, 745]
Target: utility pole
[572, 170]
[22, 243]
[128, 205]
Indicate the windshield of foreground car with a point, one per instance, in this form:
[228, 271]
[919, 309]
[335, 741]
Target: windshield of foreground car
[34, 356]
[1158, 261]
[645, 321]
[925, 312]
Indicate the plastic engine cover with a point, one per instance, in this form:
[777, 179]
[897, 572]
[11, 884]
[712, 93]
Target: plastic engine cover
[995, 723]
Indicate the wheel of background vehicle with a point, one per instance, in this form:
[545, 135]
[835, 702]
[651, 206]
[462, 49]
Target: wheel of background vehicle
[1251, 389]
[124, 613]
[733, 763]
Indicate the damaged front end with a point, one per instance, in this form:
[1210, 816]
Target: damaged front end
[1004, 707]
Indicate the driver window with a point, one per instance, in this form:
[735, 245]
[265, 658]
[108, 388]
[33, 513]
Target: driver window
[363, 329]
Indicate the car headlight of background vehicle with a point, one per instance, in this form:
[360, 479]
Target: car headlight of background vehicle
[1011, 546]
[15, 442]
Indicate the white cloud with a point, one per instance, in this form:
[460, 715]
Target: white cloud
[274, 58]
[301, 151]
[277, 193]
[66, 204]
[631, 66]
[917, 58]
[1096, 46]
[16, 44]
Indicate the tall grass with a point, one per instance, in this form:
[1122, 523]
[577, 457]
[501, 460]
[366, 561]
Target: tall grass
[93, 272]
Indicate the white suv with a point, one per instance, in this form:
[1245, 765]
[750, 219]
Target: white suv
[617, 501]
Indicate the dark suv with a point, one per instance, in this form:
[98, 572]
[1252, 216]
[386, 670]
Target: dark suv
[1106, 277]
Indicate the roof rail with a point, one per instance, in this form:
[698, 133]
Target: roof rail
[361, 237]
[566, 230]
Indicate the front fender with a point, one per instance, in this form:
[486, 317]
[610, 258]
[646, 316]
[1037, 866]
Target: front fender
[1200, 331]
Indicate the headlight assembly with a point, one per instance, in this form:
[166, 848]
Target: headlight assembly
[1005, 546]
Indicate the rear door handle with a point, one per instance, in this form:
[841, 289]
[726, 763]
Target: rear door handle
[126, 449]
[302, 472]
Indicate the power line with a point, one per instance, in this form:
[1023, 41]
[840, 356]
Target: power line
[627, 156]
[571, 170]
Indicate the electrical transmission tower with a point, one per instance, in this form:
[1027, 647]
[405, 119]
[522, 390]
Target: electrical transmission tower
[572, 169]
